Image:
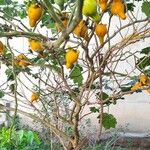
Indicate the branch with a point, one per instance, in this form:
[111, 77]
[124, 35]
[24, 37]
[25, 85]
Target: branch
[52, 13]
[73, 24]
[32, 35]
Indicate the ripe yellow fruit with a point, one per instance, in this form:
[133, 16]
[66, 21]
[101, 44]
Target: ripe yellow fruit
[148, 81]
[148, 90]
[101, 30]
[118, 8]
[90, 9]
[81, 30]
[34, 96]
[136, 86]
[22, 61]
[1, 48]
[71, 57]
[103, 5]
[21, 57]
[34, 13]
[143, 79]
[36, 45]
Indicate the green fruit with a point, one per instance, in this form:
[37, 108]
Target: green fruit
[90, 9]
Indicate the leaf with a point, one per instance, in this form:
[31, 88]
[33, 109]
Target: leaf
[36, 138]
[2, 94]
[145, 50]
[102, 95]
[12, 88]
[125, 89]
[76, 75]
[108, 121]
[22, 13]
[8, 2]
[9, 74]
[147, 71]
[144, 62]
[47, 21]
[20, 134]
[146, 8]
[130, 6]
[30, 137]
[41, 62]
[2, 2]
[94, 109]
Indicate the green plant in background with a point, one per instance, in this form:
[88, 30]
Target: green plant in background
[21, 140]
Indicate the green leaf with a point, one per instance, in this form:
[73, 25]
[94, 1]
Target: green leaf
[9, 74]
[2, 94]
[22, 14]
[76, 75]
[41, 62]
[130, 6]
[36, 138]
[12, 88]
[125, 89]
[47, 21]
[94, 109]
[30, 137]
[144, 62]
[145, 50]
[147, 72]
[108, 121]
[2, 2]
[146, 8]
[102, 95]
[20, 134]
[8, 2]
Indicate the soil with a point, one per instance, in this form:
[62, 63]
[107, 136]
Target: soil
[134, 143]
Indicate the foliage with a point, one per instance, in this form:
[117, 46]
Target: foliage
[20, 139]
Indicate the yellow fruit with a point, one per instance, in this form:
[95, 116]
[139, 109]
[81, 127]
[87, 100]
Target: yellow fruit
[16, 62]
[143, 79]
[21, 57]
[1, 48]
[103, 5]
[136, 86]
[148, 81]
[71, 57]
[36, 45]
[22, 61]
[90, 9]
[34, 13]
[118, 8]
[101, 31]
[148, 90]
[81, 30]
[34, 96]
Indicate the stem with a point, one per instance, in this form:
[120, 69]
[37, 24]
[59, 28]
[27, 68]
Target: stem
[52, 13]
